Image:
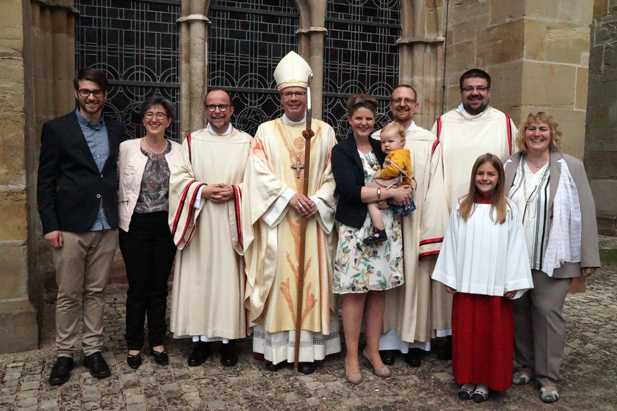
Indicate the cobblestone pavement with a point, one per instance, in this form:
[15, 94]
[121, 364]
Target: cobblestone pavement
[589, 373]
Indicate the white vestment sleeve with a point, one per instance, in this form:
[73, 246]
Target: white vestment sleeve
[446, 267]
[197, 203]
[278, 209]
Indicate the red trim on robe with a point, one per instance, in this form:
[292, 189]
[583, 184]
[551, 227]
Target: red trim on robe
[482, 340]
[189, 217]
[180, 207]
[188, 141]
[237, 199]
[509, 128]
[427, 253]
[431, 240]
[436, 142]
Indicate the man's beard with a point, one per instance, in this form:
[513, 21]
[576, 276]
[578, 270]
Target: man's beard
[475, 111]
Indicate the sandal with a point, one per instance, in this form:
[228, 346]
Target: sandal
[549, 393]
[522, 376]
[480, 394]
[465, 392]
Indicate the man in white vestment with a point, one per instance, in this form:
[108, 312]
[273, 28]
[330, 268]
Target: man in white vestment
[204, 203]
[274, 206]
[413, 315]
[462, 135]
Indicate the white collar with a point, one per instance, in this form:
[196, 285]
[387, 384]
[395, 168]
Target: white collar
[412, 126]
[288, 122]
[461, 110]
[227, 132]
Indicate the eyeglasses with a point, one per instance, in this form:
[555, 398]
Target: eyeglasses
[220, 107]
[85, 93]
[403, 100]
[289, 94]
[159, 115]
[481, 89]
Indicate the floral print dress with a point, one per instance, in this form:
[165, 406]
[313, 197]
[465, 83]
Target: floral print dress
[359, 268]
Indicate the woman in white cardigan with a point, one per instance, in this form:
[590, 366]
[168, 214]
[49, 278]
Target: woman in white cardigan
[145, 239]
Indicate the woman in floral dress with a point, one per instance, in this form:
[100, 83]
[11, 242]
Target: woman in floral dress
[363, 272]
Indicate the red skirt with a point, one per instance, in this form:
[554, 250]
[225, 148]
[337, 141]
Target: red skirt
[482, 340]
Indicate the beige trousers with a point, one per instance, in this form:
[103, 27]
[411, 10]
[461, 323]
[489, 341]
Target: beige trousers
[539, 327]
[83, 265]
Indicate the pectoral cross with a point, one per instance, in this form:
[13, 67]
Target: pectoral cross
[298, 167]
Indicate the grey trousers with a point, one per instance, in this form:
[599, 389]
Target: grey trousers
[83, 265]
[539, 327]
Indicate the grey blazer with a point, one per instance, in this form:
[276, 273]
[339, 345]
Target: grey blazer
[590, 253]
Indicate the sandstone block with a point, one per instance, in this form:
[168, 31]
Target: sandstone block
[18, 326]
[501, 44]
[605, 195]
[460, 57]
[547, 9]
[466, 10]
[600, 8]
[577, 11]
[601, 164]
[505, 11]
[582, 82]
[13, 271]
[12, 151]
[14, 210]
[548, 85]
[566, 44]
[506, 85]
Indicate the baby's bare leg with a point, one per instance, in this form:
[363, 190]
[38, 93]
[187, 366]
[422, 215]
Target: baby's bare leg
[376, 217]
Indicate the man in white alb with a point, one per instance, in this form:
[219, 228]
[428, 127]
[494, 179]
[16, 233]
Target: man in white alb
[204, 204]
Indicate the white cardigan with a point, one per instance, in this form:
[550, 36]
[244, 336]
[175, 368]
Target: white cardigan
[131, 165]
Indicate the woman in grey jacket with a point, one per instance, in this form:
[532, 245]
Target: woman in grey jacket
[556, 206]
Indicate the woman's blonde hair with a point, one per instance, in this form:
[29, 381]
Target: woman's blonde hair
[540, 117]
[498, 196]
[395, 127]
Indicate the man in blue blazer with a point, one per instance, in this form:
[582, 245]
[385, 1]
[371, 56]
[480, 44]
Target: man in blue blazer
[78, 206]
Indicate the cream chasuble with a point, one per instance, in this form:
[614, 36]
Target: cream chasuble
[271, 229]
[208, 285]
[414, 313]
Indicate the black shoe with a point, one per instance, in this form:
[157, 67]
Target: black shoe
[388, 357]
[198, 355]
[229, 355]
[161, 358]
[413, 358]
[97, 365]
[61, 371]
[307, 367]
[445, 352]
[378, 236]
[274, 367]
[134, 361]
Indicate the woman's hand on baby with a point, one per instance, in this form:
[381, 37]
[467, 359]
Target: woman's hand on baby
[401, 195]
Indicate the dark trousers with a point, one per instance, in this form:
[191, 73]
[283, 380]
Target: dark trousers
[148, 252]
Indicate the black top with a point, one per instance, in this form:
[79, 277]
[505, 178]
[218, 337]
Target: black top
[349, 177]
[70, 185]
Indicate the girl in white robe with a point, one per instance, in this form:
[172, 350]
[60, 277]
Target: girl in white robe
[484, 263]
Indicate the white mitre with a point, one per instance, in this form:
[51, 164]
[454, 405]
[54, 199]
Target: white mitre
[292, 71]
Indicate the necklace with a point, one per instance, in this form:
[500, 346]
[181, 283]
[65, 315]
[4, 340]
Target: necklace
[529, 197]
[153, 150]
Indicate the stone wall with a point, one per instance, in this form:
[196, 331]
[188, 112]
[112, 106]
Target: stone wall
[601, 142]
[536, 51]
[18, 324]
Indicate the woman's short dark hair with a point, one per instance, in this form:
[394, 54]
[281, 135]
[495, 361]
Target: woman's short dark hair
[94, 75]
[357, 101]
[160, 101]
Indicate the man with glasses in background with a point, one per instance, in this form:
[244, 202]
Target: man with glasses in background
[204, 216]
[462, 135]
[78, 206]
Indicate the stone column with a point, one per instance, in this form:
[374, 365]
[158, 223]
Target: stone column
[311, 35]
[601, 142]
[193, 63]
[18, 321]
[421, 52]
